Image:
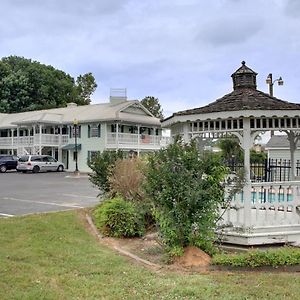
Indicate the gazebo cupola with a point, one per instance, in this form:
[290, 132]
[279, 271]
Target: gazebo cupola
[244, 77]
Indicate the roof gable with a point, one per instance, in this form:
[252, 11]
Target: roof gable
[137, 109]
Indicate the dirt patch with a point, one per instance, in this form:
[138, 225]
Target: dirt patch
[193, 257]
[148, 251]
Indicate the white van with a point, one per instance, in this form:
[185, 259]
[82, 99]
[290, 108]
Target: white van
[39, 163]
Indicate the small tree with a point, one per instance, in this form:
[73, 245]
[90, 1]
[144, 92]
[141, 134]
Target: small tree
[186, 190]
[101, 166]
[231, 150]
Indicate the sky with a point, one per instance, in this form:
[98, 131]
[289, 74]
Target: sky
[181, 51]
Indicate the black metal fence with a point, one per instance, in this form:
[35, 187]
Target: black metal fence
[269, 171]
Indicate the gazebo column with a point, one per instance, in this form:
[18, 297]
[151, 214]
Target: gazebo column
[186, 137]
[293, 139]
[247, 144]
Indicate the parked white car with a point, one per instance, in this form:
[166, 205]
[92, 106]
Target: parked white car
[39, 163]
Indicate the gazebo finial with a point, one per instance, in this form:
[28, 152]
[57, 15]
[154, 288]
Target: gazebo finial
[243, 62]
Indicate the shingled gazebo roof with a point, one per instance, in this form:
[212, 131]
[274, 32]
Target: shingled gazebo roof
[245, 96]
[243, 99]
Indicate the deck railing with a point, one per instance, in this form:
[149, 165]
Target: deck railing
[272, 203]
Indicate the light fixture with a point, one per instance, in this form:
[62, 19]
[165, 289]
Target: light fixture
[269, 79]
[280, 81]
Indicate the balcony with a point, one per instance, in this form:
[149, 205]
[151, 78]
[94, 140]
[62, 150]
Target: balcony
[29, 141]
[136, 141]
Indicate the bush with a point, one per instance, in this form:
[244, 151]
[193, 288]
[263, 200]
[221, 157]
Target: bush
[186, 192]
[286, 256]
[101, 166]
[118, 218]
[126, 179]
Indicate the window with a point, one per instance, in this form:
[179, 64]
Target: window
[92, 154]
[133, 129]
[72, 131]
[113, 128]
[36, 158]
[51, 159]
[94, 130]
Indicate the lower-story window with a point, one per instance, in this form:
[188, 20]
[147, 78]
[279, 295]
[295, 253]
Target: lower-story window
[92, 154]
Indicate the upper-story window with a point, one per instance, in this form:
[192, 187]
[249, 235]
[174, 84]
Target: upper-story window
[73, 131]
[94, 130]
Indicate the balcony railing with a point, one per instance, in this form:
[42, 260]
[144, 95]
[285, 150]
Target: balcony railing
[139, 141]
[28, 141]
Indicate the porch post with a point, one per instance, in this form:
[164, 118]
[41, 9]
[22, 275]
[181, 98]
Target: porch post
[59, 148]
[40, 139]
[138, 140]
[117, 135]
[18, 140]
[12, 139]
[247, 143]
[105, 135]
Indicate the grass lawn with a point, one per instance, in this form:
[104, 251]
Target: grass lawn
[52, 256]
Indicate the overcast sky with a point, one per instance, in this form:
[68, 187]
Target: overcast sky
[181, 51]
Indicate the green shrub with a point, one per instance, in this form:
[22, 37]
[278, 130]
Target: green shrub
[286, 256]
[118, 218]
[186, 190]
[101, 166]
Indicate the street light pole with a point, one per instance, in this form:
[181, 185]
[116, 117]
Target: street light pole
[75, 124]
[270, 82]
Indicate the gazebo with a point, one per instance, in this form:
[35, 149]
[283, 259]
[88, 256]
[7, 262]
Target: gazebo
[264, 212]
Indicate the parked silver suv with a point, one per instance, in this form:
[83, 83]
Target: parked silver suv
[39, 163]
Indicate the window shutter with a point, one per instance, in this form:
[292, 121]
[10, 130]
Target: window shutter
[89, 131]
[99, 130]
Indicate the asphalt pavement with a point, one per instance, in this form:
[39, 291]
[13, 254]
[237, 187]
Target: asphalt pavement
[22, 194]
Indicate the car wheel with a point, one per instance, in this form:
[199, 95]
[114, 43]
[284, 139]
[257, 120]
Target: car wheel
[35, 169]
[24, 172]
[60, 168]
[3, 169]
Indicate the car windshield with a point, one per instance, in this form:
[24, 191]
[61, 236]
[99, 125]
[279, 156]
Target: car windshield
[23, 158]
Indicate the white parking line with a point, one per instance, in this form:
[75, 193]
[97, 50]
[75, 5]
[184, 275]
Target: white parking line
[6, 215]
[40, 202]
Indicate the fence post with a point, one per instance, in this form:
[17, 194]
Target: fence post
[266, 170]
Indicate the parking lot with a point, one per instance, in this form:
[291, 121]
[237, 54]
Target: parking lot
[28, 193]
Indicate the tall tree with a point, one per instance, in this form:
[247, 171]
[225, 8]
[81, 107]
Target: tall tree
[86, 85]
[29, 85]
[153, 105]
